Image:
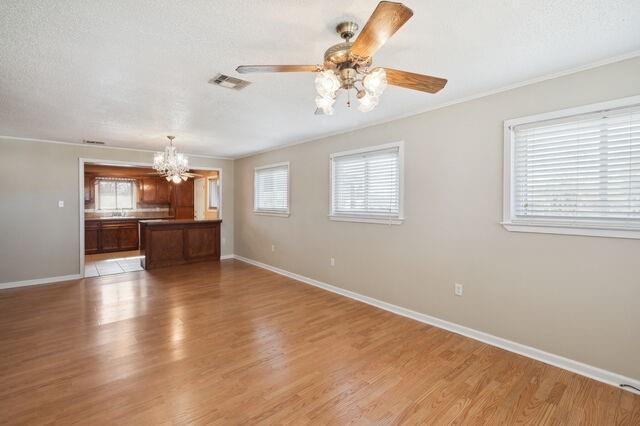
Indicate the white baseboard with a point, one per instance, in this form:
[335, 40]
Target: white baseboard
[227, 256]
[577, 367]
[39, 281]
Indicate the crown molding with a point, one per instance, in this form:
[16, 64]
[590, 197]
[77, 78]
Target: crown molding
[121, 148]
[569, 71]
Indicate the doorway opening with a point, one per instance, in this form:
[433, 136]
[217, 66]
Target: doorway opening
[116, 196]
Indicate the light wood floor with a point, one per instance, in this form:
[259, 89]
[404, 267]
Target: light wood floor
[232, 344]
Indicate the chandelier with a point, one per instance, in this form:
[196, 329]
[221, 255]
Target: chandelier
[369, 85]
[171, 164]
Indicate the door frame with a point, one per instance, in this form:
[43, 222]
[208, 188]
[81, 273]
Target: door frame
[101, 161]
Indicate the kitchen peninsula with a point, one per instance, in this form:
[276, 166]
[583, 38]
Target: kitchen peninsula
[174, 242]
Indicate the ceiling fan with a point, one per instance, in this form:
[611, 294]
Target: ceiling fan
[347, 65]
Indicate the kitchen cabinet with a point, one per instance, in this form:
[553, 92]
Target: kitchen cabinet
[182, 199]
[102, 236]
[91, 230]
[154, 190]
[89, 188]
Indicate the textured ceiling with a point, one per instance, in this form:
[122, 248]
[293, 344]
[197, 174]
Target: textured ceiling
[129, 72]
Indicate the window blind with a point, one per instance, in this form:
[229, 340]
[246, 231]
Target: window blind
[115, 193]
[366, 183]
[272, 189]
[214, 196]
[583, 168]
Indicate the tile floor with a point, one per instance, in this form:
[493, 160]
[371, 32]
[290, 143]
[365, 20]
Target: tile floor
[112, 263]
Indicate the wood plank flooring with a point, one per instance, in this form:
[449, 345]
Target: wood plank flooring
[230, 343]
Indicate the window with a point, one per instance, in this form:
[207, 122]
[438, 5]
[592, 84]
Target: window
[366, 184]
[575, 171]
[115, 194]
[214, 194]
[271, 189]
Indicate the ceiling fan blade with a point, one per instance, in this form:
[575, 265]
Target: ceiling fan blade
[245, 69]
[410, 80]
[385, 20]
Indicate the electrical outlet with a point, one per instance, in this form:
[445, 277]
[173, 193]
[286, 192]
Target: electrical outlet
[273, 248]
[332, 261]
[60, 203]
[224, 240]
[458, 289]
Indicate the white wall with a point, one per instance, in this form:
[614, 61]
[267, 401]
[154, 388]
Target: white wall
[40, 240]
[573, 296]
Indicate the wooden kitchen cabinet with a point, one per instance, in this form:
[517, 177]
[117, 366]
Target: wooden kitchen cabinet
[149, 188]
[182, 199]
[89, 188]
[102, 236]
[128, 236]
[91, 230]
[163, 191]
[155, 190]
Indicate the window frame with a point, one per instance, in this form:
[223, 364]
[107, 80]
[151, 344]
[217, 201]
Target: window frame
[209, 179]
[594, 228]
[369, 218]
[134, 193]
[265, 212]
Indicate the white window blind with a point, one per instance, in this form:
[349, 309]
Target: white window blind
[115, 193]
[579, 170]
[367, 183]
[214, 193]
[271, 189]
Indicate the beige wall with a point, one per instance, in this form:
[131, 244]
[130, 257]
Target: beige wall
[574, 296]
[38, 239]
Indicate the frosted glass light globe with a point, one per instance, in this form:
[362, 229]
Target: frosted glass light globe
[367, 102]
[325, 104]
[375, 82]
[327, 83]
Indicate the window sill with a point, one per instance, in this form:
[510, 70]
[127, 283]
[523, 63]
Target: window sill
[267, 213]
[367, 219]
[572, 229]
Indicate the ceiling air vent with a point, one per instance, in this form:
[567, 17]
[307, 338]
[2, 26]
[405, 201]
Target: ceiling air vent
[88, 142]
[229, 82]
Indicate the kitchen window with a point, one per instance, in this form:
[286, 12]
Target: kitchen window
[271, 189]
[367, 184]
[575, 171]
[115, 194]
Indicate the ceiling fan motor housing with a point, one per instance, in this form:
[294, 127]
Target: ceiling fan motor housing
[347, 29]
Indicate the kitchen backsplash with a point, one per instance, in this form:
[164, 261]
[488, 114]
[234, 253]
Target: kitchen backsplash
[141, 212]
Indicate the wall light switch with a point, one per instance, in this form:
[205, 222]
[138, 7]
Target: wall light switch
[60, 203]
[273, 248]
[458, 289]
[332, 261]
[224, 240]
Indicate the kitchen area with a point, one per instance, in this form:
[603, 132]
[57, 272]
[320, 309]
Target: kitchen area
[123, 204]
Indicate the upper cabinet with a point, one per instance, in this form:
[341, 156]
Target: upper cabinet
[154, 190]
[89, 188]
[182, 199]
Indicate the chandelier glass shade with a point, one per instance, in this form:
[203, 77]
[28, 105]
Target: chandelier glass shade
[328, 82]
[171, 164]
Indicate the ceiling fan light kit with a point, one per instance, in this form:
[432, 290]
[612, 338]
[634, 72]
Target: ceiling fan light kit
[347, 65]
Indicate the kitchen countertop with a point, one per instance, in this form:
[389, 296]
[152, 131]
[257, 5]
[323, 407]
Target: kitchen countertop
[160, 222]
[128, 218]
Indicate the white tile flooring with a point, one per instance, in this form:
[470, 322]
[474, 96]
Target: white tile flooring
[112, 266]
